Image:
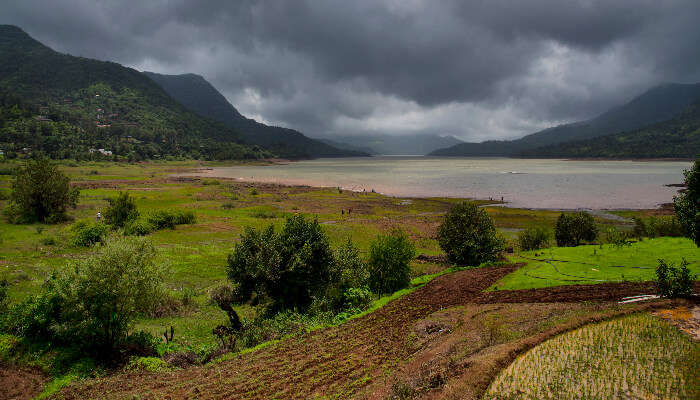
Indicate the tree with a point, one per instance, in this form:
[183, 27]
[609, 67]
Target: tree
[121, 210]
[289, 268]
[40, 192]
[687, 203]
[572, 229]
[468, 235]
[388, 264]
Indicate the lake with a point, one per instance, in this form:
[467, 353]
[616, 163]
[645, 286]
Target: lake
[526, 183]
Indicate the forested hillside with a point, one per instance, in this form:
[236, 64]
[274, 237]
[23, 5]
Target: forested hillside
[678, 137]
[199, 96]
[69, 105]
[656, 105]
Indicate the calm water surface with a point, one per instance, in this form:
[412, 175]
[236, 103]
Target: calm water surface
[559, 184]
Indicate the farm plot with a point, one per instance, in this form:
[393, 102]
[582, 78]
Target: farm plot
[637, 356]
[594, 264]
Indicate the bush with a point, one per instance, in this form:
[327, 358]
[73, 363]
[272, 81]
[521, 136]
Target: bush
[4, 286]
[163, 219]
[616, 237]
[94, 302]
[388, 263]
[40, 192]
[86, 233]
[121, 210]
[674, 281]
[357, 298]
[657, 227]
[468, 235]
[147, 364]
[574, 228]
[533, 239]
[138, 227]
[289, 268]
[348, 276]
[207, 182]
[687, 204]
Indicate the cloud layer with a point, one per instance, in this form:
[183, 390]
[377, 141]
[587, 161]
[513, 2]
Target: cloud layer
[477, 70]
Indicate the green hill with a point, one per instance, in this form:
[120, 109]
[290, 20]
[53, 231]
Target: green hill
[678, 137]
[199, 96]
[76, 104]
[656, 105]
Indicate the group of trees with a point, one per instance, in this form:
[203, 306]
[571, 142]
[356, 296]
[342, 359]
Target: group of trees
[295, 267]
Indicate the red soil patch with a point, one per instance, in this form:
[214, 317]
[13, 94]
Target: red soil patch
[19, 384]
[572, 293]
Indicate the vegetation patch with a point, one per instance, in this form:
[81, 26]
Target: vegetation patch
[593, 264]
[637, 356]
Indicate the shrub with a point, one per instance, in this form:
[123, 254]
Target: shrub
[208, 182]
[349, 274]
[289, 268]
[4, 286]
[674, 281]
[94, 302]
[616, 237]
[40, 192]
[357, 298]
[138, 227]
[86, 233]
[121, 210]
[163, 219]
[687, 204]
[147, 364]
[468, 236]
[388, 263]
[533, 239]
[574, 228]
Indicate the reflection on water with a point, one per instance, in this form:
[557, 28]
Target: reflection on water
[558, 184]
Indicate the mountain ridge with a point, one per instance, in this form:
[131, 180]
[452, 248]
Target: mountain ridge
[657, 104]
[202, 98]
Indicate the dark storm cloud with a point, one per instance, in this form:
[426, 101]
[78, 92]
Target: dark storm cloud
[475, 69]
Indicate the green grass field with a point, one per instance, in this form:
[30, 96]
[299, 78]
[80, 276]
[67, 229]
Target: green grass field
[598, 263]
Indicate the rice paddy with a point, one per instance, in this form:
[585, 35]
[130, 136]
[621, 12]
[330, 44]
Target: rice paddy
[637, 357]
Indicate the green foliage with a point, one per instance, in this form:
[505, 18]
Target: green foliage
[4, 286]
[347, 288]
[94, 302]
[572, 229]
[616, 237]
[147, 364]
[389, 262]
[40, 192]
[533, 238]
[163, 219]
[687, 204]
[138, 227]
[468, 235]
[86, 233]
[657, 227]
[122, 209]
[674, 281]
[289, 268]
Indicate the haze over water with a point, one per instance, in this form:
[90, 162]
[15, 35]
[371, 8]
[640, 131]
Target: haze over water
[526, 183]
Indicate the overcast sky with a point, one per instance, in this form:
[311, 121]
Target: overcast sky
[482, 69]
